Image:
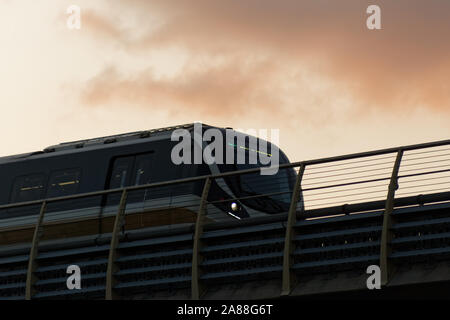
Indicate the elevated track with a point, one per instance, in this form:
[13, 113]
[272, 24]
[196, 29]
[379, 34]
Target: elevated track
[389, 208]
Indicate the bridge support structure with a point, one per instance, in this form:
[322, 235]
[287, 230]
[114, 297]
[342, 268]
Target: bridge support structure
[288, 277]
[386, 266]
[38, 231]
[196, 287]
[115, 238]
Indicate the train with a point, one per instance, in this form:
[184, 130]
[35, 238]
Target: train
[137, 158]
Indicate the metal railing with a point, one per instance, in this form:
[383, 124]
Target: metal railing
[334, 186]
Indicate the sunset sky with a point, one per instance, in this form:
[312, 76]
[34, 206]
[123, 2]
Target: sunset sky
[310, 68]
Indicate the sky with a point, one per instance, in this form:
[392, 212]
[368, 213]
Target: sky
[310, 68]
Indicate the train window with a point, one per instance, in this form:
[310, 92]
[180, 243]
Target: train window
[120, 174]
[63, 183]
[28, 188]
[142, 169]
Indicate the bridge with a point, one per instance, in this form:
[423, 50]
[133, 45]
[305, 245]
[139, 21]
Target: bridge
[389, 208]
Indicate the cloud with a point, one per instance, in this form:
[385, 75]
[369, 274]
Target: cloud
[232, 87]
[405, 65]
[101, 25]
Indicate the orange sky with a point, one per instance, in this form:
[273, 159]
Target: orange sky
[309, 68]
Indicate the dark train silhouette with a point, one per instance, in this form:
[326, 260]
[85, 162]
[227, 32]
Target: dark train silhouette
[134, 159]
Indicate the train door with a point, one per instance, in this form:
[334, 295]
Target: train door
[140, 175]
[129, 171]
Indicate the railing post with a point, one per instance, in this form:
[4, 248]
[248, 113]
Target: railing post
[112, 268]
[38, 230]
[288, 279]
[196, 290]
[386, 268]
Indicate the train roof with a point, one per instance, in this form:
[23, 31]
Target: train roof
[117, 138]
[101, 141]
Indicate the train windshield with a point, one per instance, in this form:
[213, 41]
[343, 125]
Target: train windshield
[279, 185]
[267, 193]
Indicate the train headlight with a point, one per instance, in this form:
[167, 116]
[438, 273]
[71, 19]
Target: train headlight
[234, 206]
